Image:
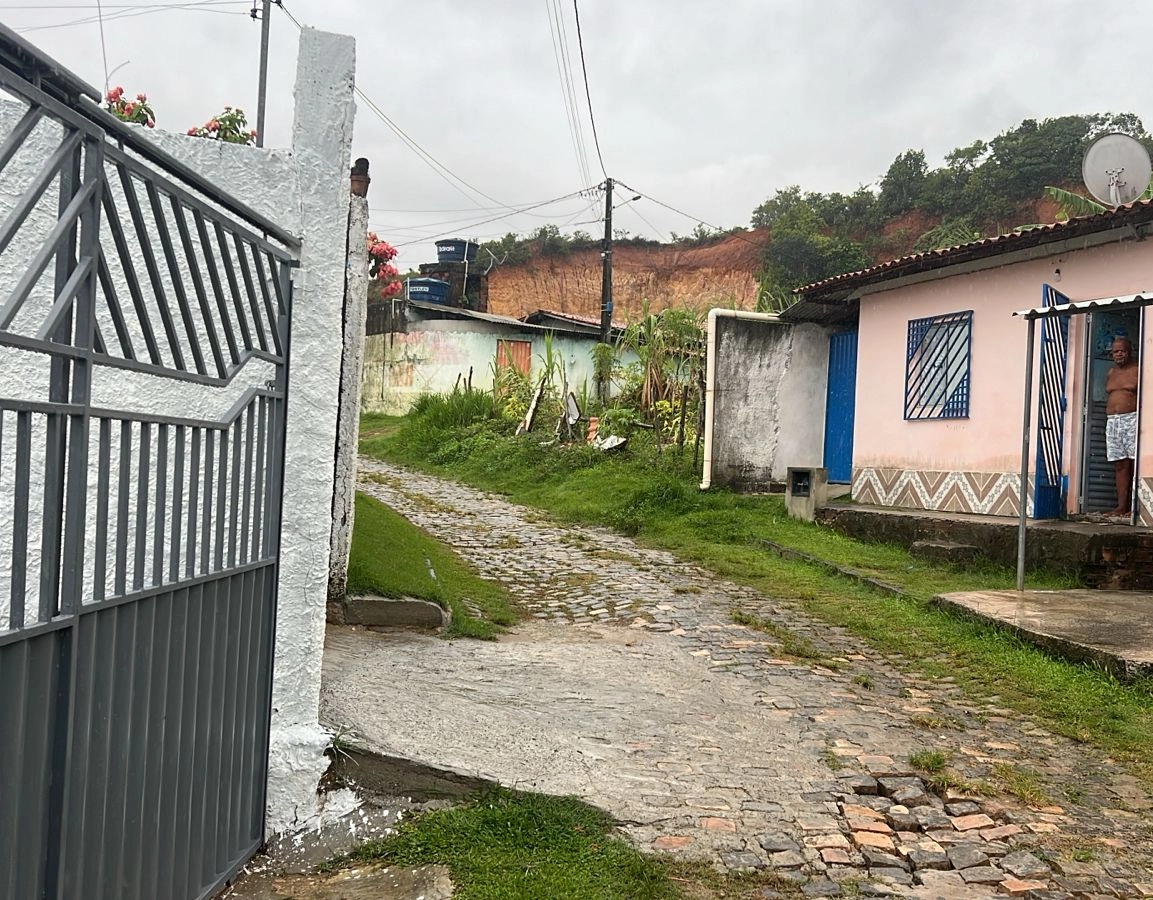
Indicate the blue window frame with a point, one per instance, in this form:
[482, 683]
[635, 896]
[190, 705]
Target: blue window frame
[937, 359]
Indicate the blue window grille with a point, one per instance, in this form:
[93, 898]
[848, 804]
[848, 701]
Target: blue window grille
[937, 359]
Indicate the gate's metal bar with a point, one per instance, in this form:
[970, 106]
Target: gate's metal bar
[166, 246]
[161, 505]
[198, 286]
[193, 505]
[234, 287]
[120, 581]
[258, 322]
[35, 268]
[177, 504]
[262, 281]
[151, 266]
[19, 134]
[117, 231]
[217, 286]
[100, 542]
[20, 482]
[32, 194]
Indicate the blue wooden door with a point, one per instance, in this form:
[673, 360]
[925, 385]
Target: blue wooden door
[840, 403]
[1049, 489]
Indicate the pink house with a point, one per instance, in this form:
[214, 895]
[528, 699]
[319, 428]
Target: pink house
[926, 388]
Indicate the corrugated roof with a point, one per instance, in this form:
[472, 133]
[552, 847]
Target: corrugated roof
[841, 285]
[445, 311]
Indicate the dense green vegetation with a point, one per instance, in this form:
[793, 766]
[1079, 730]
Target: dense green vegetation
[653, 495]
[404, 571]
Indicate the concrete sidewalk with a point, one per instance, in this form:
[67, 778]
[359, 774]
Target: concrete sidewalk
[1111, 628]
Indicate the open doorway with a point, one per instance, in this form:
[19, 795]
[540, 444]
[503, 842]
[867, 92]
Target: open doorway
[1098, 484]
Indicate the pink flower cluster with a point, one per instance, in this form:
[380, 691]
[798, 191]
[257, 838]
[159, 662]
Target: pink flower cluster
[137, 111]
[380, 256]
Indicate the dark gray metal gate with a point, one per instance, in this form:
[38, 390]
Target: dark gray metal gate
[144, 321]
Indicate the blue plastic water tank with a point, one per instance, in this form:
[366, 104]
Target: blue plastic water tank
[456, 250]
[431, 289]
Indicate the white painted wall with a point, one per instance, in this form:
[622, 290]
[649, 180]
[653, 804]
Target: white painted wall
[305, 190]
[768, 401]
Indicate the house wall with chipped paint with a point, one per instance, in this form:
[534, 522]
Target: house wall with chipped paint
[768, 400]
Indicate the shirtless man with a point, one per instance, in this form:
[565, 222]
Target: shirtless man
[1121, 421]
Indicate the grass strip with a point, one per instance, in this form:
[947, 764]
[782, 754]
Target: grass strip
[508, 845]
[393, 558]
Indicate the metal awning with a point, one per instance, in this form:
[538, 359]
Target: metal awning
[1084, 306]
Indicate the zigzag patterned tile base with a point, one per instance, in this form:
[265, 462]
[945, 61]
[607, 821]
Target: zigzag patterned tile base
[988, 493]
[1145, 498]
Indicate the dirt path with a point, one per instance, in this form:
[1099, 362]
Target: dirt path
[631, 687]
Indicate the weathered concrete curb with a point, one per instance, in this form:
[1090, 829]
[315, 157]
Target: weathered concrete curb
[388, 612]
[832, 568]
[1065, 647]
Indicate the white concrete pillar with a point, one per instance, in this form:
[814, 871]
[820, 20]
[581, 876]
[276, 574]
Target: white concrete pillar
[348, 423]
[321, 145]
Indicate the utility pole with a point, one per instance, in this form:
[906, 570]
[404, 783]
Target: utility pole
[262, 90]
[607, 266]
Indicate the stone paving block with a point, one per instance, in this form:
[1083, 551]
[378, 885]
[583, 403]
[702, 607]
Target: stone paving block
[1024, 864]
[822, 888]
[892, 876]
[1043, 827]
[983, 875]
[1117, 887]
[928, 859]
[1017, 887]
[910, 797]
[713, 823]
[872, 839]
[672, 842]
[1000, 832]
[888, 784]
[879, 859]
[861, 812]
[967, 823]
[742, 861]
[929, 818]
[876, 825]
[825, 841]
[862, 784]
[787, 859]
[777, 843]
[835, 856]
[962, 808]
[945, 882]
[966, 856]
[902, 819]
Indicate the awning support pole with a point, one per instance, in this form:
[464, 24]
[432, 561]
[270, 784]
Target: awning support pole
[1023, 494]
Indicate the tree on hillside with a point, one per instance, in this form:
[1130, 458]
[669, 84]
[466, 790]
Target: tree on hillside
[903, 184]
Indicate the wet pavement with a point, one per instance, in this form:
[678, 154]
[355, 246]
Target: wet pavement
[1111, 628]
[632, 687]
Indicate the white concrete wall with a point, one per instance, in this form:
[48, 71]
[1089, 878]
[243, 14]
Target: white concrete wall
[434, 354]
[348, 426]
[768, 400]
[305, 190]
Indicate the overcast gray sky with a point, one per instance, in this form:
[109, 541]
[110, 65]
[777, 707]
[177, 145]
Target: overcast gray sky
[708, 107]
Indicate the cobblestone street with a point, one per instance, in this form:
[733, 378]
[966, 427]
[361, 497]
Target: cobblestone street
[631, 686]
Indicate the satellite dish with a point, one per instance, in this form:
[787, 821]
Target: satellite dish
[1116, 169]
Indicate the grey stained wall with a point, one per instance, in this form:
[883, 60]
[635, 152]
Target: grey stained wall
[769, 400]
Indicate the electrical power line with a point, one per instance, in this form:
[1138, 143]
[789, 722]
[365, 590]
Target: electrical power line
[588, 95]
[690, 216]
[568, 93]
[131, 12]
[493, 219]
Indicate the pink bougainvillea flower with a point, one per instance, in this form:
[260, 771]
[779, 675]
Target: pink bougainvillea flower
[150, 123]
[141, 97]
[192, 131]
[388, 271]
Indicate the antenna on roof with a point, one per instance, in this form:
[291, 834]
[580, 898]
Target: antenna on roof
[1116, 169]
